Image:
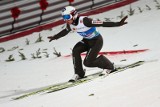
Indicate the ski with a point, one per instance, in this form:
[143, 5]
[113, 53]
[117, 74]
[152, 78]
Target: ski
[93, 76]
[64, 85]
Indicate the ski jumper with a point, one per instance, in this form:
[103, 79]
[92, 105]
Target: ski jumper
[91, 43]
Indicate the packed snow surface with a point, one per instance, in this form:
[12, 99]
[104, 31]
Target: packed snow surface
[137, 87]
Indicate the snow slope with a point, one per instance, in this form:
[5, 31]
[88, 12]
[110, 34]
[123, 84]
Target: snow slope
[137, 87]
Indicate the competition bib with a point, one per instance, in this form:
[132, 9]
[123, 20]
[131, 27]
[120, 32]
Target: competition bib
[89, 34]
[84, 31]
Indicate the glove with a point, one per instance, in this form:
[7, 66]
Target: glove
[51, 38]
[122, 22]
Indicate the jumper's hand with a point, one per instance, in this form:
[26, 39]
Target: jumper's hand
[122, 22]
[51, 38]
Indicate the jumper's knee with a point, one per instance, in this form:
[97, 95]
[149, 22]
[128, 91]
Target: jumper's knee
[87, 63]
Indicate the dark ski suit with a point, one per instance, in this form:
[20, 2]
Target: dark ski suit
[91, 45]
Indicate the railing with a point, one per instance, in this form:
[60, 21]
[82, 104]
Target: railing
[31, 14]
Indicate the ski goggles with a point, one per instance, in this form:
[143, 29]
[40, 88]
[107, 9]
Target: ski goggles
[67, 17]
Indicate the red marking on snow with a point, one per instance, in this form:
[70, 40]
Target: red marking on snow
[51, 25]
[116, 52]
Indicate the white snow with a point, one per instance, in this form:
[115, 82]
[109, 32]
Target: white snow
[137, 87]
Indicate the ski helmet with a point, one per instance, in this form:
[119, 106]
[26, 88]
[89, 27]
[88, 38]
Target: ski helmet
[69, 12]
